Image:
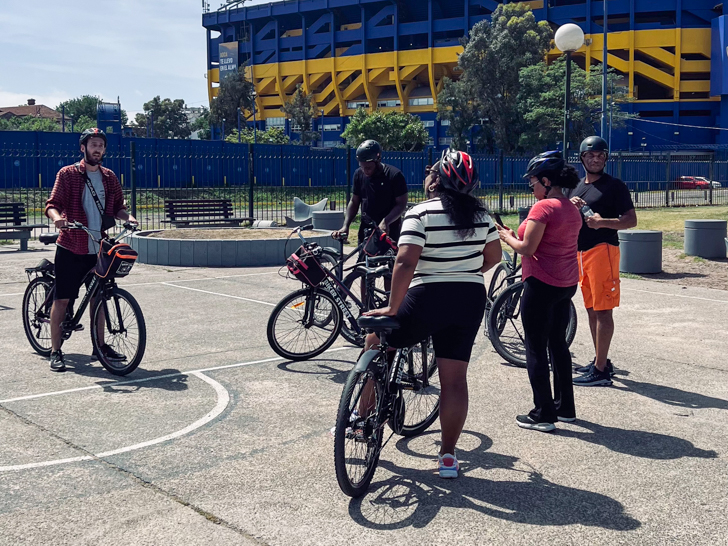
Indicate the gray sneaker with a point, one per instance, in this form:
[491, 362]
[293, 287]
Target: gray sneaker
[57, 362]
[594, 378]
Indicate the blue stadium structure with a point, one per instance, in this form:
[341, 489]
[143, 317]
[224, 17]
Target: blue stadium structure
[393, 55]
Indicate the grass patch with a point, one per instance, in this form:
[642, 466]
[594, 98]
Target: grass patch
[629, 276]
[698, 260]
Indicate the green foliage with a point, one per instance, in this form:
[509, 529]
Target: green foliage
[83, 123]
[273, 135]
[393, 130]
[458, 104]
[541, 100]
[29, 123]
[85, 105]
[170, 120]
[234, 92]
[301, 109]
[492, 58]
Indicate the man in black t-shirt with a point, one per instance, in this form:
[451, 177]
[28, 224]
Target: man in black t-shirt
[611, 210]
[380, 189]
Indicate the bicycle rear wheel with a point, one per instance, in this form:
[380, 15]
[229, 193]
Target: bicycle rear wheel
[498, 283]
[125, 331]
[358, 438]
[37, 314]
[504, 326]
[421, 396]
[304, 324]
[506, 330]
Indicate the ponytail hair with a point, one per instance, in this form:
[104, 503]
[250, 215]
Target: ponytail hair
[463, 210]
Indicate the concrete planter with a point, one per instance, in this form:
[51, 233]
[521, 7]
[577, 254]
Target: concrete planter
[220, 252]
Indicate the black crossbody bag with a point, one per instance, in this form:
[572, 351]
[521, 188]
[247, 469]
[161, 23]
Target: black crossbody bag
[107, 220]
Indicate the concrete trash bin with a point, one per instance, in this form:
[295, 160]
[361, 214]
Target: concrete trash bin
[329, 220]
[640, 251]
[705, 238]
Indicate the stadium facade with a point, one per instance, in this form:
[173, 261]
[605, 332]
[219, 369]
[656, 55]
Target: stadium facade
[393, 55]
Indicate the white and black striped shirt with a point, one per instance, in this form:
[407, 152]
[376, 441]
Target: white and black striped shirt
[445, 256]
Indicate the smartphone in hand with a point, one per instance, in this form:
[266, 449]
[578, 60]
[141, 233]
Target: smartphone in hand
[497, 219]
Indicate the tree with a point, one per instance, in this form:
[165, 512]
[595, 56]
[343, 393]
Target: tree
[393, 130]
[492, 58]
[301, 109]
[234, 92]
[29, 123]
[85, 105]
[458, 104]
[542, 103]
[272, 135]
[202, 125]
[169, 118]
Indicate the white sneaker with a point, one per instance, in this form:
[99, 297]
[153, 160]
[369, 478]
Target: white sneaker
[448, 466]
[354, 416]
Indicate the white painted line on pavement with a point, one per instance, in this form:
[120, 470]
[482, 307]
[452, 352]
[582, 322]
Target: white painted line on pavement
[674, 295]
[156, 377]
[201, 279]
[219, 294]
[16, 294]
[223, 399]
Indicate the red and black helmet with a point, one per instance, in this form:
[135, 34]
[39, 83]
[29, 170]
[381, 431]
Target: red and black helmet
[457, 171]
[90, 133]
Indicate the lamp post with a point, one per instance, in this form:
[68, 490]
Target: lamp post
[568, 39]
[605, 69]
[255, 125]
[322, 127]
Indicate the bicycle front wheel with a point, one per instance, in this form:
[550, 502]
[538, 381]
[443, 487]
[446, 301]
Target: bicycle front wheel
[122, 328]
[420, 389]
[356, 283]
[504, 326]
[304, 324]
[358, 433]
[37, 305]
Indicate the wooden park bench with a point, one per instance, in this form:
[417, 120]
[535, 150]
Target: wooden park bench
[202, 212]
[13, 226]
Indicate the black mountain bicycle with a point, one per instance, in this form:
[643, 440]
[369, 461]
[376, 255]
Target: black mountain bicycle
[402, 392]
[115, 315]
[306, 322]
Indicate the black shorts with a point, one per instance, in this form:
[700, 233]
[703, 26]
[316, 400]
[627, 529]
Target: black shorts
[450, 312]
[71, 270]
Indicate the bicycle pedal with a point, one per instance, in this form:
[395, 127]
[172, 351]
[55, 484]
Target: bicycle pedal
[78, 328]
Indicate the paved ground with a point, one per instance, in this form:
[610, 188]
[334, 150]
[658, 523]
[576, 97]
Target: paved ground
[214, 440]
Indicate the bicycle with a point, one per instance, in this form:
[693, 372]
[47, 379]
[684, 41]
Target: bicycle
[395, 388]
[307, 322]
[124, 329]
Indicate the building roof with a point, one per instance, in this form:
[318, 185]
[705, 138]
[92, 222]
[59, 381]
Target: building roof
[35, 110]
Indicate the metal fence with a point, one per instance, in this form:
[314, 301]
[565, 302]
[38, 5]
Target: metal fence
[262, 180]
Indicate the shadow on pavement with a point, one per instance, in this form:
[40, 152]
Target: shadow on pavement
[638, 443]
[319, 367]
[413, 498]
[674, 397]
[83, 365]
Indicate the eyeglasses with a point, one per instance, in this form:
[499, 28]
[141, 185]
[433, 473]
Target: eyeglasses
[531, 186]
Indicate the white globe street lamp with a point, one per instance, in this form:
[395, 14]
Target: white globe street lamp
[568, 38]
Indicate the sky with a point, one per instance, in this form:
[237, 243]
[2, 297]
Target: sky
[54, 50]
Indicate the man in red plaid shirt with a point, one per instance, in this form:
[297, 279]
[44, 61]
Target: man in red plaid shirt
[72, 201]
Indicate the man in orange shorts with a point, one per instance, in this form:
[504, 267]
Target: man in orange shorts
[607, 207]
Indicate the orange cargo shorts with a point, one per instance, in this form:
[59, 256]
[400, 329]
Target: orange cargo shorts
[599, 277]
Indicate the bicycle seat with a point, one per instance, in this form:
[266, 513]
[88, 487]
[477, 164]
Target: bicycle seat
[378, 324]
[378, 260]
[48, 238]
[376, 271]
[43, 267]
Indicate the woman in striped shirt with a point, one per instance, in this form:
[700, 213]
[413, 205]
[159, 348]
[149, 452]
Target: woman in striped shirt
[445, 246]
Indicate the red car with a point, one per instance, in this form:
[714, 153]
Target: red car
[691, 183]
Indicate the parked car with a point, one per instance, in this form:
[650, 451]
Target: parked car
[713, 183]
[691, 183]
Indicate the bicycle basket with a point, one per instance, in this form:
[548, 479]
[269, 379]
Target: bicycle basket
[114, 260]
[379, 244]
[305, 267]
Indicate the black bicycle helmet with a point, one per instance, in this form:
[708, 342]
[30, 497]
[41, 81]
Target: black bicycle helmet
[545, 162]
[93, 132]
[369, 150]
[457, 171]
[594, 144]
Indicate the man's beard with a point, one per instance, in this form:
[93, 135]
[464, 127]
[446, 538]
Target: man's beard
[89, 160]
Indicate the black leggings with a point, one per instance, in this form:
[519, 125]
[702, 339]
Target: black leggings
[545, 316]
